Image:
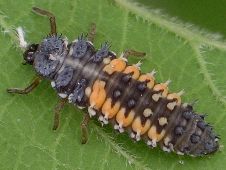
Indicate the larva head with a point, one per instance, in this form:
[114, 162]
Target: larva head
[29, 53]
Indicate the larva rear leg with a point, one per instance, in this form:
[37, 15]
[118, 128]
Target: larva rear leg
[27, 89]
[84, 129]
[58, 108]
[130, 52]
[92, 32]
[52, 19]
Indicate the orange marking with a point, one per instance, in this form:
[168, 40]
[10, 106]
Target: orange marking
[147, 77]
[124, 121]
[174, 96]
[152, 134]
[162, 86]
[132, 69]
[138, 127]
[108, 110]
[115, 65]
[98, 94]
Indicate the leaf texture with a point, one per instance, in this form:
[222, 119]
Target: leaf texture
[194, 61]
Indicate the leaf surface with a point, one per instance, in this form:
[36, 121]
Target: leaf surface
[194, 61]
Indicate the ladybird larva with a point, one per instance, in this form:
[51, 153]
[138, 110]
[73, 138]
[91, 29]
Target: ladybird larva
[115, 92]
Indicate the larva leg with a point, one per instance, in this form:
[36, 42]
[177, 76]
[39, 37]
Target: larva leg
[130, 52]
[92, 32]
[57, 111]
[84, 128]
[52, 19]
[26, 90]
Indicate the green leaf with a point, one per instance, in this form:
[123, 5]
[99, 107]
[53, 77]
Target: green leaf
[193, 60]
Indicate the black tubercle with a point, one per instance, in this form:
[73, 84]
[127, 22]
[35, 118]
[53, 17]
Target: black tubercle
[142, 86]
[80, 47]
[131, 103]
[179, 130]
[127, 77]
[201, 125]
[45, 67]
[79, 92]
[52, 44]
[101, 53]
[188, 115]
[64, 77]
[116, 94]
[195, 138]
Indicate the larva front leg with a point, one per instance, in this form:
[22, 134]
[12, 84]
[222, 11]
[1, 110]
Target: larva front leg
[130, 52]
[52, 19]
[58, 108]
[92, 32]
[84, 129]
[27, 89]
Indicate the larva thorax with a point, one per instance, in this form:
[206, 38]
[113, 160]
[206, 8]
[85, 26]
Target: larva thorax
[119, 93]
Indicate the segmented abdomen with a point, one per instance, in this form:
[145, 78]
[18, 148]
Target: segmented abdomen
[118, 93]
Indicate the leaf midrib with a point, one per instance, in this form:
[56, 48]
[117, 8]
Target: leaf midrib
[166, 23]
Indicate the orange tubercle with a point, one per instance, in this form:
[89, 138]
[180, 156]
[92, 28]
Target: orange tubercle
[132, 69]
[138, 127]
[116, 65]
[162, 87]
[125, 121]
[147, 77]
[176, 96]
[152, 134]
[98, 94]
[108, 110]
